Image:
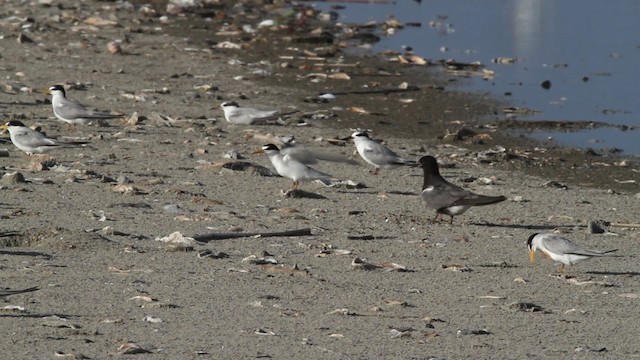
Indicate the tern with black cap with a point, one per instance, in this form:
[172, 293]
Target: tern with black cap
[377, 154]
[72, 112]
[560, 249]
[291, 168]
[34, 142]
[235, 114]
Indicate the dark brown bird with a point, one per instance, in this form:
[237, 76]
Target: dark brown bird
[445, 197]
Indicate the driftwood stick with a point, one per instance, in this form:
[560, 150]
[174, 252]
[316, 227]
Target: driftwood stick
[222, 236]
[624, 225]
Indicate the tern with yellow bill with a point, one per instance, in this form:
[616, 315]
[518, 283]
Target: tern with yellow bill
[561, 250]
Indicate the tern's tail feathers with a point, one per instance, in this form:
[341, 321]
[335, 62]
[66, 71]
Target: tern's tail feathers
[409, 163]
[72, 143]
[104, 116]
[480, 200]
[335, 158]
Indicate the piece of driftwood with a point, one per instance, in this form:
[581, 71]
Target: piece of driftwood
[234, 235]
[624, 225]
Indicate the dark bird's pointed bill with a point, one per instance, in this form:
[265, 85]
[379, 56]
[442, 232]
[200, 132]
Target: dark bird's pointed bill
[560, 249]
[445, 197]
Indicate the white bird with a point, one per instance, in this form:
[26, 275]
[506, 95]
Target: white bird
[377, 154]
[561, 250]
[235, 114]
[72, 112]
[34, 142]
[308, 156]
[291, 168]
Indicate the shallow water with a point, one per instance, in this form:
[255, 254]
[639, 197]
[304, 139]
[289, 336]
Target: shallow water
[588, 49]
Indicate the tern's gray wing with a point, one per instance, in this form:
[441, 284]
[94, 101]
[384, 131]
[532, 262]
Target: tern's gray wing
[68, 109]
[334, 157]
[301, 154]
[311, 157]
[33, 139]
[478, 200]
[559, 245]
[381, 155]
[443, 195]
[255, 113]
[301, 171]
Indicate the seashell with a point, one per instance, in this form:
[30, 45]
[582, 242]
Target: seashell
[114, 48]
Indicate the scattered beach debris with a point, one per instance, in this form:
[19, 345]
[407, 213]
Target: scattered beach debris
[59, 322]
[522, 306]
[151, 319]
[132, 348]
[456, 267]
[400, 332]
[280, 269]
[233, 235]
[237, 165]
[260, 260]
[590, 349]
[466, 332]
[359, 263]
[208, 254]
[178, 242]
[575, 281]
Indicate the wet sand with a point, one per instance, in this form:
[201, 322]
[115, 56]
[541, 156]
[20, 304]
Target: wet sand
[88, 224]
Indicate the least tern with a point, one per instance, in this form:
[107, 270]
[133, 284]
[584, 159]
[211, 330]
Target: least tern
[8, 292]
[235, 114]
[559, 249]
[72, 112]
[307, 156]
[445, 197]
[377, 154]
[33, 142]
[291, 168]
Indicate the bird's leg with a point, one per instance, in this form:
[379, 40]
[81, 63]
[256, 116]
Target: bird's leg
[451, 220]
[435, 218]
[296, 185]
[561, 268]
[376, 171]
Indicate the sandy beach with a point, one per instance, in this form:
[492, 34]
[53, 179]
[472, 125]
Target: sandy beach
[83, 224]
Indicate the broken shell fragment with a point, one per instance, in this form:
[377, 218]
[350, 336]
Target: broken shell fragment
[114, 48]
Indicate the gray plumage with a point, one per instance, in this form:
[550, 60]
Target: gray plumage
[561, 249]
[72, 112]
[445, 197]
[235, 114]
[34, 142]
[377, 154]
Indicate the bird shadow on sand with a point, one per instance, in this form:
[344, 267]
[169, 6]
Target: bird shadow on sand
[523, 226]
[369, 237]
[392, 192]
[299, 194]
[36, 316]
[614, 273]
[26, 253]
